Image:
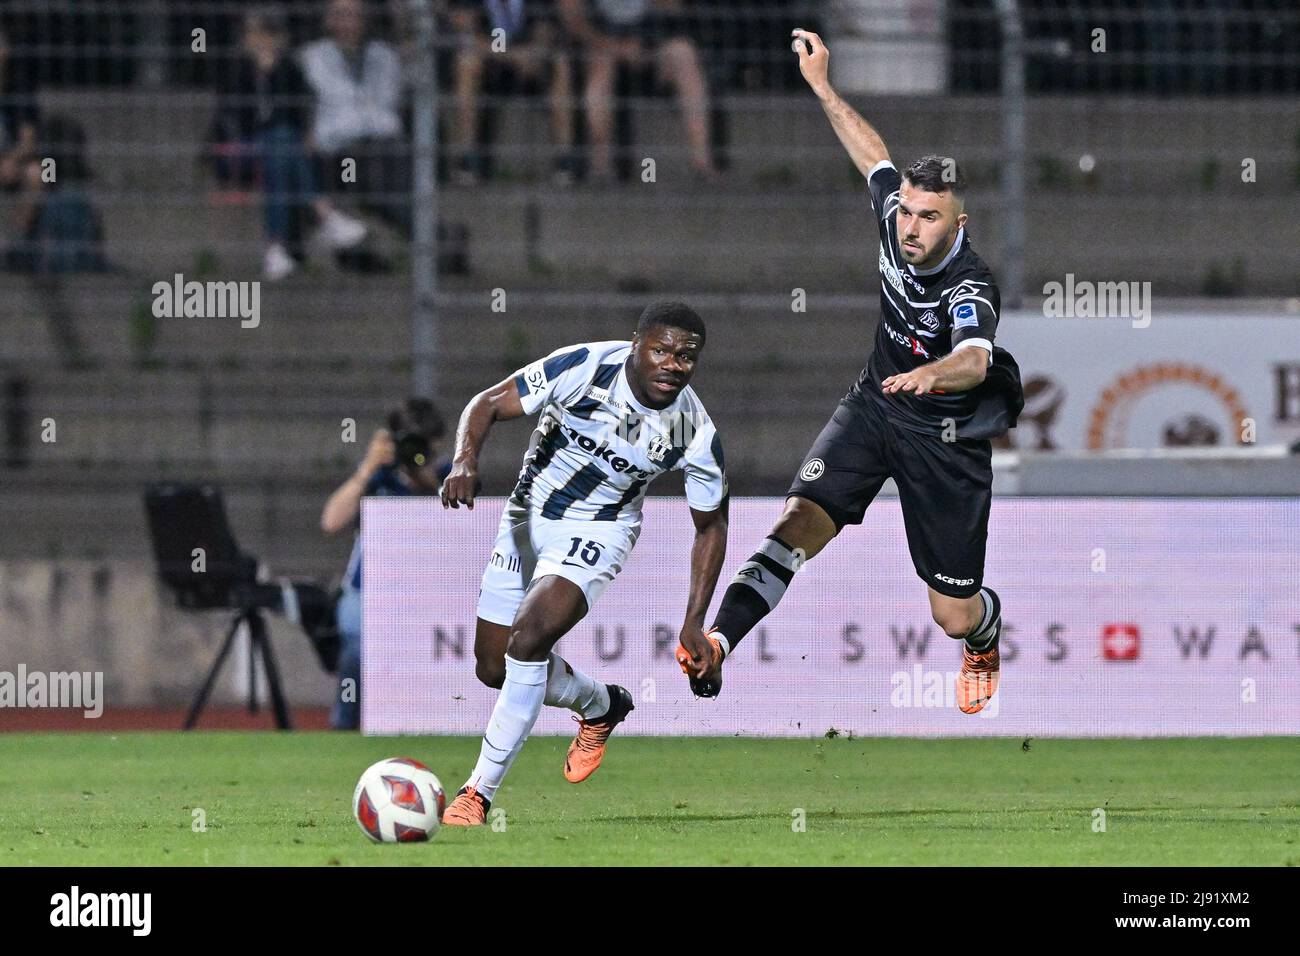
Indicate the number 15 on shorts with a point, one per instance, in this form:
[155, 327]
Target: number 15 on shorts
[588, 552]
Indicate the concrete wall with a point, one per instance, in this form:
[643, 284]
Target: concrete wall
[112, 616]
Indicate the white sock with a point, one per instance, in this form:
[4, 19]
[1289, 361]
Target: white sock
[571, 688]
[512, 719]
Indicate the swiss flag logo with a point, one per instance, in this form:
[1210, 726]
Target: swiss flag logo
[1120, 642]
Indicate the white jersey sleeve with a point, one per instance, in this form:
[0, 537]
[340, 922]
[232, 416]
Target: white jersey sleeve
[706, 478]
[561, 377]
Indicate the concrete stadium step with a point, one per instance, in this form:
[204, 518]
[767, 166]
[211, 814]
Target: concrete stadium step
[333, 327]
[293, 421]
[791, 209]
[62, 512]
[152, 138]
[733, 239]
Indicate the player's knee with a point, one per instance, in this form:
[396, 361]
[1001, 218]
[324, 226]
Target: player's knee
[529, 641]
[492, 673]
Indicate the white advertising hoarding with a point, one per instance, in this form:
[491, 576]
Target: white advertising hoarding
[1123, 617]
[1166, 380]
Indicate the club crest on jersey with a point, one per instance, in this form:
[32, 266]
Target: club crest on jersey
[813, 469]
[659, 449]
[929, 320]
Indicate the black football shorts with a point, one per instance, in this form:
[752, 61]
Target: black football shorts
[944, 488]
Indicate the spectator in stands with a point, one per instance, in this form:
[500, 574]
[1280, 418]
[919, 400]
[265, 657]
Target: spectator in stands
[357, 82]
[401, 460]
[533, 53]
[270, 103]
[58, 230]
[637, 33]
[18, 116]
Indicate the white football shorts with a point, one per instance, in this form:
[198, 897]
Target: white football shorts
[528, 547]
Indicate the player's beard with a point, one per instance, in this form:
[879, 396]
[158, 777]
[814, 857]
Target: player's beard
[912, 255]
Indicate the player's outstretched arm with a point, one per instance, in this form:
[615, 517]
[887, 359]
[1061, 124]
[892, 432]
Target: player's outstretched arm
[707, 554]
[499, 403]
[958, 371]
[863, 143]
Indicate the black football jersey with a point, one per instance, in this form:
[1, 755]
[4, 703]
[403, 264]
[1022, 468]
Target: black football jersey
[924, 316]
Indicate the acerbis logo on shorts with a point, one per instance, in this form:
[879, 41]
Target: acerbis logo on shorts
[960, 582]
[812, 469]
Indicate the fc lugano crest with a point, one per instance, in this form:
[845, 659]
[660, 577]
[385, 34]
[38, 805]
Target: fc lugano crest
[812, 469]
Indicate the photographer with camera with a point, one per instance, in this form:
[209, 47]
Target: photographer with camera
[401, 460]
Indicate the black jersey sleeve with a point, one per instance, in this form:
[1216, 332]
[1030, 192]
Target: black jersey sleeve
[973, 308]
[883, 182]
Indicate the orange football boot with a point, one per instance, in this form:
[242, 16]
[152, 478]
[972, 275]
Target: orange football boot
[978, 681]
[469, 809]
[588, 748]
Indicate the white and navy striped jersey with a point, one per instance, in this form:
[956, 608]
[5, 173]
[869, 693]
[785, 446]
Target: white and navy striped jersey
[596, 448]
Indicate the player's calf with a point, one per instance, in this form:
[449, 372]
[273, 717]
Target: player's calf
[490, 652]
[491, 673]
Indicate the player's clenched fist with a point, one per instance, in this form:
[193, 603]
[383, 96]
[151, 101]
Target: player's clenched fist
[814, 59]
[460, 487]
[700, 657]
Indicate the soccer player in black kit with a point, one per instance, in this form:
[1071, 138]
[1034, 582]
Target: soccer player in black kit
[934, 391]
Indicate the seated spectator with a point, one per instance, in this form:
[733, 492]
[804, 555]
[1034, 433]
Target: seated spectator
[533, 54]
[638, 33]
[357, 82]
[18, 117]
[269, 101]
[58, 229]
[401, 460]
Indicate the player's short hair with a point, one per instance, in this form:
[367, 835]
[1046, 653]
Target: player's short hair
[936, 174]
[673, 314]
[417, 415]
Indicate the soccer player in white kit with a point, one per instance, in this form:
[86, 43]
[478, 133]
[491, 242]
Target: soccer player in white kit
[615, 416]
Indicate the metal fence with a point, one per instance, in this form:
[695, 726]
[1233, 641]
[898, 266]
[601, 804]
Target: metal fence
[514, 197]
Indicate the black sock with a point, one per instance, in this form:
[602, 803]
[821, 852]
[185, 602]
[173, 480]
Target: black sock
[986, 631]
[758, 587]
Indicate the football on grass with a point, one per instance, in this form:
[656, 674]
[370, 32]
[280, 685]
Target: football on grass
[398, 801]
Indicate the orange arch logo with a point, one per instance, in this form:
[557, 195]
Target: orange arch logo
[1130, 386]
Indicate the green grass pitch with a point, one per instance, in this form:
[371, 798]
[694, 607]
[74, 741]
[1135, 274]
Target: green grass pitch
[128, 799]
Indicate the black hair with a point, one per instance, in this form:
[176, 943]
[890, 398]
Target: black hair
[936, 174]
[418, 415]
[673, 314]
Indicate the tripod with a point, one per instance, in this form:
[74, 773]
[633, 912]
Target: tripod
[258, 641]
